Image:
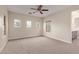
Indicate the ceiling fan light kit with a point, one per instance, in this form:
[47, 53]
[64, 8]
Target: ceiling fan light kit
[29, 13]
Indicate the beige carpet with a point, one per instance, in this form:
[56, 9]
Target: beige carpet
[41, 45]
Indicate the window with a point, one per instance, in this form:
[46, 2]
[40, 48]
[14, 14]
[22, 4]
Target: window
[28, 24]
[17, 23]
[48, 26]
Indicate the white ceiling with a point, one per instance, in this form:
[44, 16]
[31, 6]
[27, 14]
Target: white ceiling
[24, 9]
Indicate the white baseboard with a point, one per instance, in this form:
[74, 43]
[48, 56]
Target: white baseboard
[60, 40]
[25, 37]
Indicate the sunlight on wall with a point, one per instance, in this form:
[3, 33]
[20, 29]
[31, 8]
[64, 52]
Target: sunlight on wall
[28, 24]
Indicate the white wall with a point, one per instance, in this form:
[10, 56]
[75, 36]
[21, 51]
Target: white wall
[3, 38]
[61, 26]
[22, 32]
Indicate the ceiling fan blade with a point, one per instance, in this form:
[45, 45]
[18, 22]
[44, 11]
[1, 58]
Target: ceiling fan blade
[41, 12]
[33, 8]
[39, 7]
[44, 9]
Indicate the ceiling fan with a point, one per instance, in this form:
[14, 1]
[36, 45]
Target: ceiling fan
[39, 9]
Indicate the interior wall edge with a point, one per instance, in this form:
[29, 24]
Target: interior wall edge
[3, 44]
[3, 38]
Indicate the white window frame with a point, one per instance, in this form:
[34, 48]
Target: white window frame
[28, 24]
[17, 23]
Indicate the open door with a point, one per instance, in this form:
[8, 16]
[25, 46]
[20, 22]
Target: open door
[2, 35]
[1, 26]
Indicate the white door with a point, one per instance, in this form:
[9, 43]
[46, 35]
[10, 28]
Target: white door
[1, 26]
